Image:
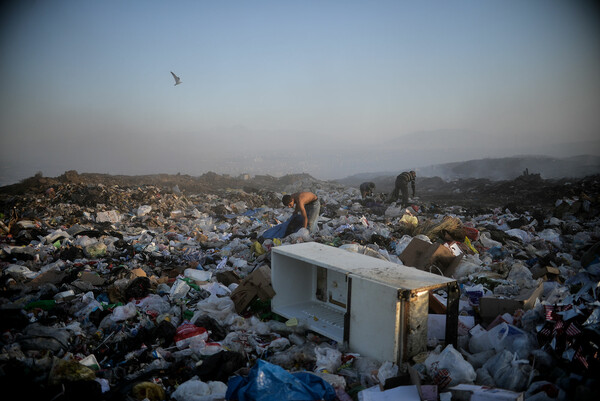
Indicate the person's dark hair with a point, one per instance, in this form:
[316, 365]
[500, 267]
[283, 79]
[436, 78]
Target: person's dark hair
[286, 199]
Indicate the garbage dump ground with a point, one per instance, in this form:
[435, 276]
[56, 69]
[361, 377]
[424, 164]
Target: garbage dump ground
[158, 288]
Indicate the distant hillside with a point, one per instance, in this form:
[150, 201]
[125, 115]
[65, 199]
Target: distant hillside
[498, 169]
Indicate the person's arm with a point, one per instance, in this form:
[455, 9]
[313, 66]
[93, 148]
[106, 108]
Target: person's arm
[412, 183]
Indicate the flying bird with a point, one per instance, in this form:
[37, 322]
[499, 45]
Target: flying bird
[177, 80]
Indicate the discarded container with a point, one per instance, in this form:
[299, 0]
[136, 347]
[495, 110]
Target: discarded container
[491, 306]
[378, 307]
[64, 296]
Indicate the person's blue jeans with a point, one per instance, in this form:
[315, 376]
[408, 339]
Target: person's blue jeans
[312, 214]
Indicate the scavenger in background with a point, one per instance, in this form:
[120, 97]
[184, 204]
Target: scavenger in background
[401, 185]
[366, 189]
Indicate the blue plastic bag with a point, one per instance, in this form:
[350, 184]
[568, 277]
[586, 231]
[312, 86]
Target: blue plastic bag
[279, 231]
[268, 382]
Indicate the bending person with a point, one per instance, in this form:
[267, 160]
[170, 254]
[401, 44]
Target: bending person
[401, 185]
[308, 205]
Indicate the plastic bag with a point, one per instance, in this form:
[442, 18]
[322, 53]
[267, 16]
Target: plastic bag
[508, 372]
[487, 241]
[302, 235]
[268, 382]
[449, 368]
[468, 265]
[197, 390]
[387, 370]
[409, 220]
[552, 236]
[521, 275]
[328, 359]
[500, 337]
[484, 378]
[524, 236]
[124, 312]
[153, 302]
[197, 274]
[477, 360]
[143, 210]
[400, 245]
[221, 309]
[188, 332]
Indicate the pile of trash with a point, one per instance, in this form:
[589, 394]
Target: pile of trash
[143, 292]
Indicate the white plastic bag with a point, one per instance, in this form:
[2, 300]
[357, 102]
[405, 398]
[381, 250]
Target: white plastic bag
[143, 210]
[552, 236]
[124, 312]
[222, 309]
[487, 241]
[523, 235]
[521, 275]
[449, 368]
[328, 359]
[153, 302]
[501, 337]
[197, 274]
[508, 372]
[196, 390]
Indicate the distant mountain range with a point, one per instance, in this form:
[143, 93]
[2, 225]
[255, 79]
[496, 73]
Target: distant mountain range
[497, 169]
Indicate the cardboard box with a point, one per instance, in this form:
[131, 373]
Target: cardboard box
[228, 277]
[423, 255]
[491, 306]
[471, 392]
[546, 273]
[257, 284]
[435, 305]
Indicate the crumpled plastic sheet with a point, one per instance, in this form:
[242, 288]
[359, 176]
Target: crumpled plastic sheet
[268, 382]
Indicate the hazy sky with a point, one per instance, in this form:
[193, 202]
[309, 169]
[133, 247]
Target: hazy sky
[330, 88]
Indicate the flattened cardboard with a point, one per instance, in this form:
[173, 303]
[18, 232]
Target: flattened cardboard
[423, 255]
[228, 277]
[257, 284]
[50, 276]
[490, 306]
[91, 278]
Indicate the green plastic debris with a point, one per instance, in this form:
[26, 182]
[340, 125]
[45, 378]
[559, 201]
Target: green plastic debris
[188, 314]
[191, 283]
[45, 304]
